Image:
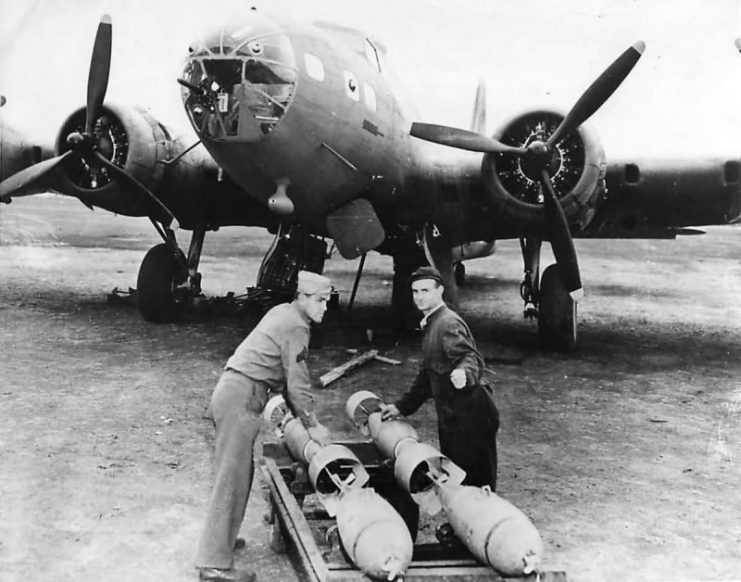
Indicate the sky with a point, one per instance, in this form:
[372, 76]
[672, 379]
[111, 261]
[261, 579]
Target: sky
[683, 99]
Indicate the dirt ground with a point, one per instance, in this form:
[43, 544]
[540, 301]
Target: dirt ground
[626, 454]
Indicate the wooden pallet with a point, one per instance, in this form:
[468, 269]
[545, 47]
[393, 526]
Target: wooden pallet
[306, 530]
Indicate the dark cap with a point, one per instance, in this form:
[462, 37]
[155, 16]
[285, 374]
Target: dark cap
[426, 273]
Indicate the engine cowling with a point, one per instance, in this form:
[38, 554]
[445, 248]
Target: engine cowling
[130, 138]
[577, 169]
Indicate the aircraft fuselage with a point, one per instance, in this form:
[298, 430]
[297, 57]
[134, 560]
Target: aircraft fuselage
[294, 107]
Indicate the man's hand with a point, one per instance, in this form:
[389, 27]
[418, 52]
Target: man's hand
[458, 378]
[320, 434]
[389, 411]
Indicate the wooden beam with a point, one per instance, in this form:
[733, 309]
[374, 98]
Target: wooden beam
[340, 371]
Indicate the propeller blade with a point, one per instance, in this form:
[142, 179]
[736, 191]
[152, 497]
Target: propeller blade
[462, 139]
[561, 241]
[160, 211]
[27, 176]
[598, 92]
[100, 66]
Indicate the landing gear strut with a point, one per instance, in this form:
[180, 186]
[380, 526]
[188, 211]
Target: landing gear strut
[548, 300]
[168, 281]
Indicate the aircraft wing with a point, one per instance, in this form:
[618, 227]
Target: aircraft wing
[16, 154]
[659, 198]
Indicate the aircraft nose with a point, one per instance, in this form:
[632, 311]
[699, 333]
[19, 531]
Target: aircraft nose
[240, 79]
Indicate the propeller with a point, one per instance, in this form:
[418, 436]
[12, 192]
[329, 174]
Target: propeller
[462, 139]
[27, 176]
[538, 155]
[97, 85]
[84, 144]
[598, 92]
[100, 67]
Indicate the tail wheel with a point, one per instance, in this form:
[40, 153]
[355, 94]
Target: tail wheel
[160, 276]
[557, 313]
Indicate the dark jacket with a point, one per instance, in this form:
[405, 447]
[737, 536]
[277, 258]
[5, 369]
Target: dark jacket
[467, 418]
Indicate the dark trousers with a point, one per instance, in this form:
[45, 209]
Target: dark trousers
[468, 436]
[236, 405]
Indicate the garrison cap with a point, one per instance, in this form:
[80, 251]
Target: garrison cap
[426, 273]
[311, 283]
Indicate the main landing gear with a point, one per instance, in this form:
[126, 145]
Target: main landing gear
[548, 300]
[168, 280]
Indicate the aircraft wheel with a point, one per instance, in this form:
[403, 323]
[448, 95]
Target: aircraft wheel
[160, 275]
[460, 274]
[557, 313]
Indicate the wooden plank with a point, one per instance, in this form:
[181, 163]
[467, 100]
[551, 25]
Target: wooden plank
[340, 371]
[296, 525]
[386, 360]
[380, 358]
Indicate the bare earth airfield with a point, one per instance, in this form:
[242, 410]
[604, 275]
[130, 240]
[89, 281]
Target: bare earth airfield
[625, 454]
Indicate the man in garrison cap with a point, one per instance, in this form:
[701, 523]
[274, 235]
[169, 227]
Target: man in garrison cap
[271, 359]
[450, 372]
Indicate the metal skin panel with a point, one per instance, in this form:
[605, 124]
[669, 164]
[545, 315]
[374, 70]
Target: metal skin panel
[373, 534]
[494, 530]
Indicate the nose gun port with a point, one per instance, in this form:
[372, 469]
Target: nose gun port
[239, 82]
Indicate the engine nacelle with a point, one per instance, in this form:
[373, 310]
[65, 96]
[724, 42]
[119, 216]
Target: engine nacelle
[130, 138]
[577, 168]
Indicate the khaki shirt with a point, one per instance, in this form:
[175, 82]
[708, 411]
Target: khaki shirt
[275, 354]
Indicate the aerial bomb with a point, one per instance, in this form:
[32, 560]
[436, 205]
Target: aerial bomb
[493, 530]
[373, 534]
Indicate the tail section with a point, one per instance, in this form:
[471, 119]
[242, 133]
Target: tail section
[478, 122]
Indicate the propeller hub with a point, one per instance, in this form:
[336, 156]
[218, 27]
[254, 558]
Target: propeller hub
[78, 141]
[540, 157]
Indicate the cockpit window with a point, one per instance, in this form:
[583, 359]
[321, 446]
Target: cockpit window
[242, 85]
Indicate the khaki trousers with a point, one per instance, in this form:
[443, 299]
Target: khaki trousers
[236, 405]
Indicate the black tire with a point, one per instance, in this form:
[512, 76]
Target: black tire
[460, 274]
[252, 313]
[557, 319]
[159, 275]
